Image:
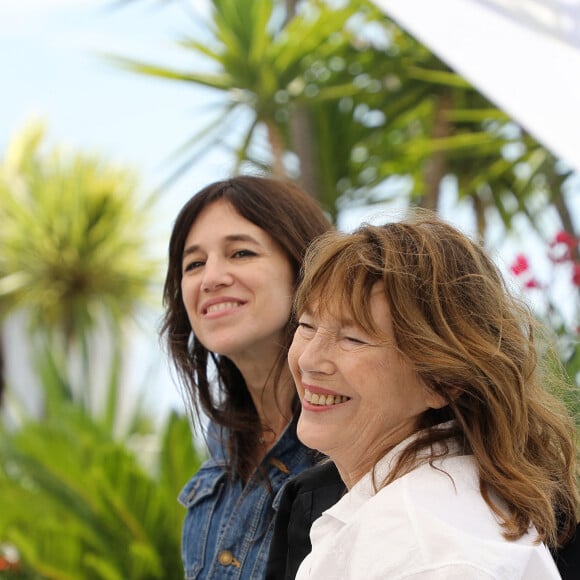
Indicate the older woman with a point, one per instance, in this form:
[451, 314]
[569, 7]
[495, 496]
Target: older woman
[418, 376]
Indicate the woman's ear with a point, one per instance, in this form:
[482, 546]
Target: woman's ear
[434, 400]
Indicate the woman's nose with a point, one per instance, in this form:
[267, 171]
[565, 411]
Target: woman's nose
[216, 274]
[317, 355]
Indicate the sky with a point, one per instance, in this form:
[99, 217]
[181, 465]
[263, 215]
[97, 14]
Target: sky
[50, 57]
[52, 69]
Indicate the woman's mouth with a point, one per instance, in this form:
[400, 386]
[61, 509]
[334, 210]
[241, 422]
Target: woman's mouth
[222, 306]
[322, 400]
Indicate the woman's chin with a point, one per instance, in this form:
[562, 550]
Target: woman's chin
[313, 436]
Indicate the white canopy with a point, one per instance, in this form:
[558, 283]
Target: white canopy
[524, 55]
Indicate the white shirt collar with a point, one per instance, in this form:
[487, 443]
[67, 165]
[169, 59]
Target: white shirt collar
[364, 489]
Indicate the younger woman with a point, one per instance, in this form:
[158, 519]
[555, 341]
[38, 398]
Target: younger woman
[234, 259]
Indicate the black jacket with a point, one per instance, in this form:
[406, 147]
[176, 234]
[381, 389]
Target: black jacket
[303, 500]
[315, 490]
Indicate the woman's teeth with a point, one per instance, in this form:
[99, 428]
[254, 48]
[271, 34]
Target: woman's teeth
[323, 400]
[222, 306]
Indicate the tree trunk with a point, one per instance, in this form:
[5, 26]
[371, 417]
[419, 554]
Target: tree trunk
[436, 166]
[303, 136]
[566, 219]
[303, 141]
[277, 144]
[290, 8]
[479, 210]
[2, 376]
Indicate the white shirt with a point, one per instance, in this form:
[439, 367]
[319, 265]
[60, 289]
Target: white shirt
[425, 525]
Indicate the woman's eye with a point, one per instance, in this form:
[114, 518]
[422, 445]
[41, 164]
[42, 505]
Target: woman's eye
[243, 254]
[354, 340]
[193, 265]
[305, 328]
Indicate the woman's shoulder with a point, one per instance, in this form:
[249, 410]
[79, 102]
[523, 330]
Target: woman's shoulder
[444, 492]
[437, 516]
[320, 475]
[318, 488]
[431, 537]
[202, 483]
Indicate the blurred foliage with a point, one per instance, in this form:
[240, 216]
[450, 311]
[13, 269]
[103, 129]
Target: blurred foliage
[562, 279]
[333, 94]
[78, 504]
[74, 238]
[75, 261]
[338, 96]
[82, 497]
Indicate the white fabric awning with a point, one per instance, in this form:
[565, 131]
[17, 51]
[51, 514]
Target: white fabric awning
[524, 55]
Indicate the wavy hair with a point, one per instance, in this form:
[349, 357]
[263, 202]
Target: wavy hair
[293, 219]
[471, 341]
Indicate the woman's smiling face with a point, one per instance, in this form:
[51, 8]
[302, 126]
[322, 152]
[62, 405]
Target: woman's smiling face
[237, 285]
[359, 394]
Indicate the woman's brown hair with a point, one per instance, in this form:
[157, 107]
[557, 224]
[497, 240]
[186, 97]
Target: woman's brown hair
[293, 219]
[472, 342]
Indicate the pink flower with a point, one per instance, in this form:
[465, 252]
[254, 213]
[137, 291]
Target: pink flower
[561, 247]
[532, 283]
[563, 237]
[576, 274]
[520, 265]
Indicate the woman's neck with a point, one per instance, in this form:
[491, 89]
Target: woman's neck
[272, 390]
[271, 387]
[273, 400]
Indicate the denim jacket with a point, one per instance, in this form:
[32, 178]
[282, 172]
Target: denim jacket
[228, 526]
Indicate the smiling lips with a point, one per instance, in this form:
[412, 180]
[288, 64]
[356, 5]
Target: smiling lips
[221, 307]
[324, 400]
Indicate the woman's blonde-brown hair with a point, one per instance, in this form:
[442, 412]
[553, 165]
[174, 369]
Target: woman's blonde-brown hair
[471, 341]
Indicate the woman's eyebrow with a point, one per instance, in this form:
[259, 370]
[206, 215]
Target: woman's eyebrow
[345, 322]
[230, 238]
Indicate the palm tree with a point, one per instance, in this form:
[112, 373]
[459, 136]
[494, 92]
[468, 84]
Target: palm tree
[361, 105]
[78, 500]
[74, 260]
[264, 70]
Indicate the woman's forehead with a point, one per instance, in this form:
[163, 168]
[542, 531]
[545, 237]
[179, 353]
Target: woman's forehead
[347, 308]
